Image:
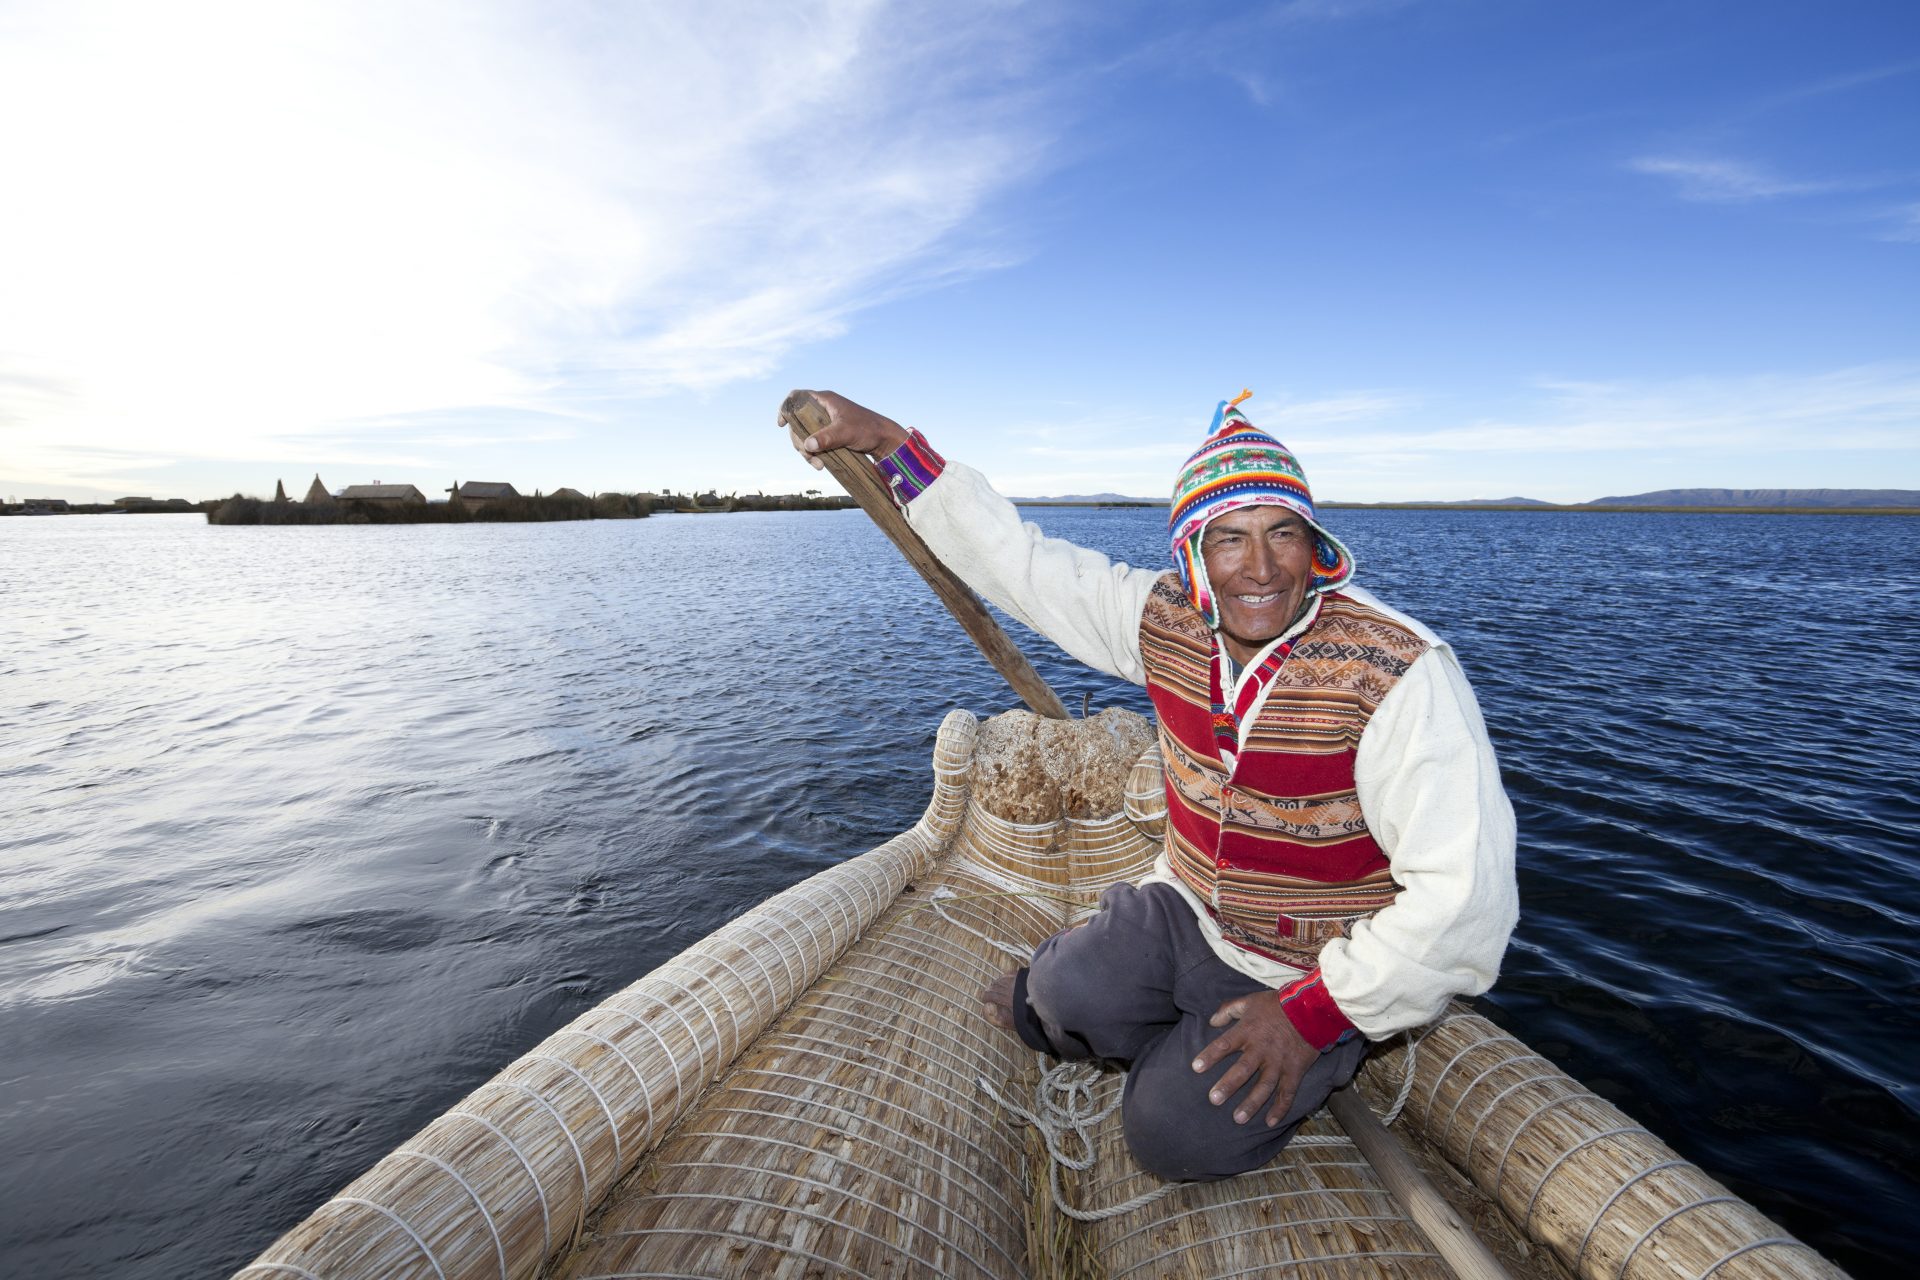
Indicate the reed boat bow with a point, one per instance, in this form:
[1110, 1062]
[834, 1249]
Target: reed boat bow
[801, 1094]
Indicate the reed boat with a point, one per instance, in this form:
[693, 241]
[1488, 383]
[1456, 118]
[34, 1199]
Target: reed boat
[812, 1091]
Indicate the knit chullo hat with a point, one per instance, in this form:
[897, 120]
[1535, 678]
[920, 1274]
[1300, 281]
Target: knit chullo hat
[1242, 466]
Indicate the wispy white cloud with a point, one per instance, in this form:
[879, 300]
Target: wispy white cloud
[1873, 407]
[230, 224]
[1566, 440]
[1218, 46]
[1125, 451]
[1285, 418]
[1827, 86]
[1107, 435]
[1903, 225]
[1722, 179]
[1330, 10]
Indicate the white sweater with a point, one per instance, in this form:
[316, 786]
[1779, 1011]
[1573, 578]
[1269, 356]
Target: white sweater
[1427, 779]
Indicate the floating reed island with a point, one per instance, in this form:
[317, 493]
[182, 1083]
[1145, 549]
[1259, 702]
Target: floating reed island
[810, 1091]
[489, 502]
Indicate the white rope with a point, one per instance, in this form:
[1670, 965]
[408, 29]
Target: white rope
[1627, 1259]
[1406, 1082]
[1749, 1247]
[1063, 1104]
[1063, 1101]
[486, 1215]
[1600, 1217]
[944, 894]
[400, 1222]
[1413, 1037]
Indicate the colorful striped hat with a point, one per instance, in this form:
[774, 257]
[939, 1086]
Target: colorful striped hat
[1242, 466]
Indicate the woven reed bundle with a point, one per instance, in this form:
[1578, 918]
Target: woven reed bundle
[1317, 1211]
[506, 1178]
[854, 1136]
[1612, 1201]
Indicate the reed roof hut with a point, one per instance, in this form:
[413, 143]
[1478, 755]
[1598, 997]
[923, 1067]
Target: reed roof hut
[478, 491]
[317, 493]
[393, 494]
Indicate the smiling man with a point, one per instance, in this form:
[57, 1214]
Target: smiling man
[1339, 851]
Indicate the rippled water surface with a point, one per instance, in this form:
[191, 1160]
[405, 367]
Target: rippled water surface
[308, 831]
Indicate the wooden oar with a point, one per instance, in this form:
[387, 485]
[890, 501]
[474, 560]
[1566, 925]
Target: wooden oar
[804, 416]
[1424, 1202]
[1437, 1219]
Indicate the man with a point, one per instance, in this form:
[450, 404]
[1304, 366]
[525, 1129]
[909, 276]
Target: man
[1339, 851]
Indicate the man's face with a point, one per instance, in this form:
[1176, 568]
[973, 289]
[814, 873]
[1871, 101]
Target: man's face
[1260, 561]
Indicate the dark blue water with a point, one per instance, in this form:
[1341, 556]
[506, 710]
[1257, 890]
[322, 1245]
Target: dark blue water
[308, 831]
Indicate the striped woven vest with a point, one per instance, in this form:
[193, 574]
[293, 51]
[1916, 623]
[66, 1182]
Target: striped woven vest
[1292, 864]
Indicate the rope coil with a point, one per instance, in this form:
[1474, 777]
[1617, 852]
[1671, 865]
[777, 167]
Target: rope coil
[1063, 1100]
[1063, 1103]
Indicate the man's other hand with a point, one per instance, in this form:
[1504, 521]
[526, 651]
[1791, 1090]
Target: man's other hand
[850, 426]
[1272, 1054]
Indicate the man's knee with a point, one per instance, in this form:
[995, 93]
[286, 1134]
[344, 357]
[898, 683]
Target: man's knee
[1176, 1133]
[1104, 979]
[1179, 1141]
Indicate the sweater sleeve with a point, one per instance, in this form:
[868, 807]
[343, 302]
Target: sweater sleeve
[1430, 788]
[1088, 605]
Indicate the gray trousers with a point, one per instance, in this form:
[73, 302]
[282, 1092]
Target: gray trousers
[1136, 984]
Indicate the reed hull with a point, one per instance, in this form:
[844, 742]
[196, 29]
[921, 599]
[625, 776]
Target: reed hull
[799, 1094]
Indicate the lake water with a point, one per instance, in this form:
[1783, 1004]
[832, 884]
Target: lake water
[309, 831]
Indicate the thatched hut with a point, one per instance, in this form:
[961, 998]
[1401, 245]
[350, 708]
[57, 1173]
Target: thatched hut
[475, 494]
[390, 495]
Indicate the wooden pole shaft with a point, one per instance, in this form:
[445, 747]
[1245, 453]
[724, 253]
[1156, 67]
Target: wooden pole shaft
[804, 416]
[1452, 1238]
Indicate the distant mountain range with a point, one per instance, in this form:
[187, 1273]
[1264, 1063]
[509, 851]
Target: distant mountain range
[1766, 498]
[1496, 502]
[1836, 498]
[1095, 499]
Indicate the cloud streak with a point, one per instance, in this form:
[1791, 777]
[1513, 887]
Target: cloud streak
[1903, 225]
[1568, 440]
[1869, 407]
[1721, 180]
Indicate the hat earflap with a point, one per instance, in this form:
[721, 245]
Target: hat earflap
[1193, 576]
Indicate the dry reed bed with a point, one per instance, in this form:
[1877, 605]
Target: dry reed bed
[1317, 1211]
[852, 1137]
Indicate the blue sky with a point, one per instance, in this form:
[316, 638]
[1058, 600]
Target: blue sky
[1459, 248]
